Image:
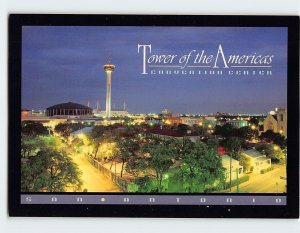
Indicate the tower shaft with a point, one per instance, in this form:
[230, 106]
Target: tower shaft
[108, 68]
[108, 94]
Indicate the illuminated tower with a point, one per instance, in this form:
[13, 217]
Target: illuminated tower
[108, 68]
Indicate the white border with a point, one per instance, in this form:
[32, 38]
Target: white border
[206, 7]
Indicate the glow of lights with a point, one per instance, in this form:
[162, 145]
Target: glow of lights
[209, 126]
[80, 136]
[253, 127]
[276, 147]
[280, 131]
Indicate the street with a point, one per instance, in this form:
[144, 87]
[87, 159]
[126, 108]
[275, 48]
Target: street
[265, 183]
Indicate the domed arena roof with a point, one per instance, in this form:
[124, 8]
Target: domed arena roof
[69, 105]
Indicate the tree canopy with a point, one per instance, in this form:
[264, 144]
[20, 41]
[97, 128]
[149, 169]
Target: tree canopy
[64, 129]
[32, 128]
[228, 130]
[201, 168]
[274, 152]
[276, 138]
[49, 171]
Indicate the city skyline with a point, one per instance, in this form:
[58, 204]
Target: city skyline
[65, 64]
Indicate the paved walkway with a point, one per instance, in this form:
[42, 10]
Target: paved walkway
[93, 180]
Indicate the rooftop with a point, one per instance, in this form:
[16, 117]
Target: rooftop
[226, 161]
[69, 105]
[253, 153]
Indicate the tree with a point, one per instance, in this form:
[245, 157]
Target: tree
[274, 152]
[160, 161]
[234, 146]
[136, 165]
[245, 162]
[49, 171]
[254, 121]
[32, 128]
[225, 131]
[182, 128]
[30, 146]
[65, 129]
[247, 133]
[199, 130]
[127, 148]
[52, 143]
[276, 138]
[180, 147]
[96, 137]
[201, 167]
[213, 143]
[143, 183]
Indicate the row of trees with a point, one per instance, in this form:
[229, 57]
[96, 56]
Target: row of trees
[151, 160]
[228, 131]
[275, 138]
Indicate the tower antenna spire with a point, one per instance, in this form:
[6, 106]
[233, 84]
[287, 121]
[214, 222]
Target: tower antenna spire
[109, 57]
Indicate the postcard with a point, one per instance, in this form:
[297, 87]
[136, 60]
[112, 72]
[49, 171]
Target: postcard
[143, 117]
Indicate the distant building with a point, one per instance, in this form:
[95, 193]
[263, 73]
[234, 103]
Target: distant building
[258, 161]
[171, 115]
[235, 167]
[276, 121]
[190, 121]
[166, 134]
[210, 121]
[238, 123]
[109, 122]
[25, 113]
[69, 109]
[153, 121]
[113, 113]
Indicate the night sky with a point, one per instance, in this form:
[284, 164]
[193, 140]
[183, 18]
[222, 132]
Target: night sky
[65, 64]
